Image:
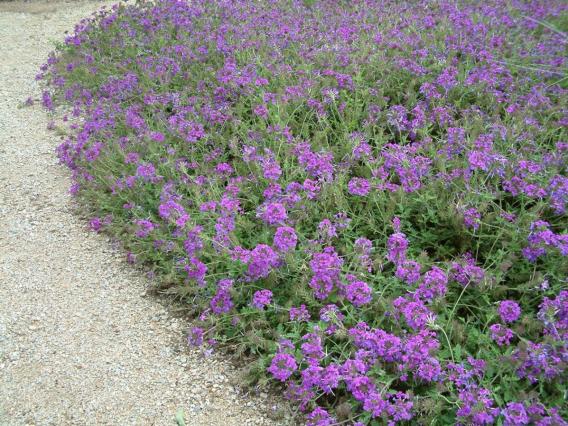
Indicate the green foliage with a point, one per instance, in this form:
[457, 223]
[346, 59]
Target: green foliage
[112, 76]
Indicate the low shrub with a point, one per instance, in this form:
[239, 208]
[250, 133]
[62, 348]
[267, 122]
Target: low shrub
[367, 196]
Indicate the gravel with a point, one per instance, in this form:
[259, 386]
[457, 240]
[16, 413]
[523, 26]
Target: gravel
[80, 343]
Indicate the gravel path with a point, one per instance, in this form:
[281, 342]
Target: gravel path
[80, 343]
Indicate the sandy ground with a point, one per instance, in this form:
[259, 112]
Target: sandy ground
[80, 341]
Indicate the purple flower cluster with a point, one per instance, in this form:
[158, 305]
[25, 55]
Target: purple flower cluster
[144, 228]
[196, 270]
[397, 245]
[326, 268]
[358, 293]
[299, 314]
[364, 246]
[261, 299]
[477, 406]
[366, 201]
[283, 365]
[501, 334]
[359, 186]
[221, 302]
[542, 238]
[540, 361]
[285, 238]
[261, 260]
[273, 213]
[509, 311]
[553, 314]
[434, 284]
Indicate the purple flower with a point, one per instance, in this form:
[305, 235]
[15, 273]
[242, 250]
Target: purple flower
[262, 151]
[553, 313]
[429, 370]
[208, 206]
[476, 406]
[225, 284]
[359, 186]
[193, 243]
[144, 228]
[326, 378]
[221, 302]
[466, 272]
[327, 230]
[362, 150]
[312, 188]
[312, 347]
[414, 312]
[96, 224]
[330, 378]
[224, 169]
[501, 334]
[472, 219]
[132, 158]
[196, 270]
[352, 368]
[171, 209]
[282, 366]
[46, 99]
[397, 244]
[542, 237]
[434, 284]
[133, 119]
[418, 356]
[261, 298]
[510, 217]
[261, 261]
[299, 314]
[331, 313]
[272, 191]
[273, 213]
[515, 414]
[400, 407]
[146, 171]
[261, 110]
[479, 160]
[271, 169]
[358, 293]
[285, 239]
[539, 362]
[131, 257]
[360, 387]
[409, 271]
[326, 268]
[509, 311]
[300, 393]
[195, 336]
[341, 220]
[375, 404]
[318, 165]
[364, 246]
[319, 417]
[157, 136]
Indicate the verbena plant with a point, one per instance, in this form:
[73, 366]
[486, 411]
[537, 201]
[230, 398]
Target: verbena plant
[369, 197]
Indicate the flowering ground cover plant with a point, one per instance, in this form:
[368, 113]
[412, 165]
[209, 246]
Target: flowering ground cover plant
[367, 196]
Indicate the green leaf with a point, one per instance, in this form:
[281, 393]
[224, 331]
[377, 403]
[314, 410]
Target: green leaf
[180, 417]
[458, 352]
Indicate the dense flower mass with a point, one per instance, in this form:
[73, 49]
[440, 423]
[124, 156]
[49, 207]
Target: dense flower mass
[367, 196]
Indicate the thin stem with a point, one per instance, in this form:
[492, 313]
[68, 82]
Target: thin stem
[456, 304]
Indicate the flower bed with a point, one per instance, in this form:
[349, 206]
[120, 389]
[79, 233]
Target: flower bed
[369, 197]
